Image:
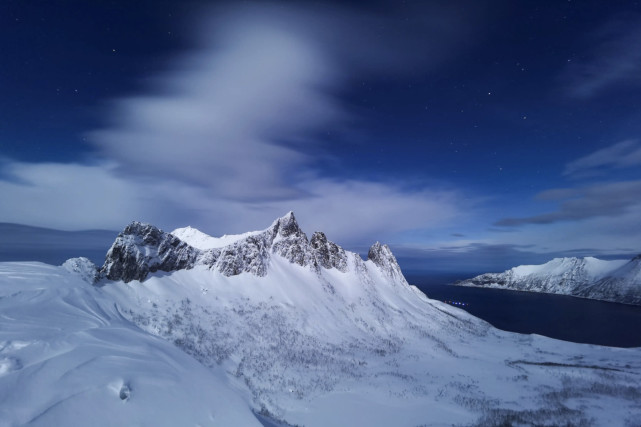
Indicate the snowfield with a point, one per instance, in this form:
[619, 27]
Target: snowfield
[325, 339]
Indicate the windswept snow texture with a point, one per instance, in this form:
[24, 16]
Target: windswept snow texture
[68, 357]
[616, 281]
[306, 333]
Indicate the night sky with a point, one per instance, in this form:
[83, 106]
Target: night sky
[469, 136]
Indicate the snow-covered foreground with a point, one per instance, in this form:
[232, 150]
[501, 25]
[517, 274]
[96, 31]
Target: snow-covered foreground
[315, 337]
[68, 357]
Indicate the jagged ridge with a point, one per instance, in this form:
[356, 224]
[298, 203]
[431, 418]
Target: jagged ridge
[141, 249]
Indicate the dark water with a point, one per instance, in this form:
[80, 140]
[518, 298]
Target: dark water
[556, 316]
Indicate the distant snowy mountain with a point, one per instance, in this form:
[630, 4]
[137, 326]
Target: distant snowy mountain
[287, 330]
[616, 281]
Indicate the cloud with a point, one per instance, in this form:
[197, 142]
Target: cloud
[234, 118]
[616, 236]
[604, 199]
[240, 116]
[599, 200]
[615, 59]
[67, 196]
[618, 156]
[604, 216]
[355, 210]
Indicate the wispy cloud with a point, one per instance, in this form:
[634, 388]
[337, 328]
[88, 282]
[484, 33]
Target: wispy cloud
[614, 59]
[67, 196]
[234, 117]
[600, 200]
[618, 156]
[600, 217]
[241, 115]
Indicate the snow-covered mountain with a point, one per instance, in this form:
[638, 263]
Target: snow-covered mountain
[617, 281]
[142, 249]
[286, 328]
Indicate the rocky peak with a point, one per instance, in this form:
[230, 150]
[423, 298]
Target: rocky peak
[327, 254]
[287, 225]
[290, 242]
[382, 257]
[149, 234]
[378, 253]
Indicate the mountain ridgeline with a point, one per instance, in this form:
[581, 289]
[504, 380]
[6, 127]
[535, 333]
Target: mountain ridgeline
[614, 281]
[141, 249]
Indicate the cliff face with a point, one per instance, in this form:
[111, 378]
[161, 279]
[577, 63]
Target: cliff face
[141, 249]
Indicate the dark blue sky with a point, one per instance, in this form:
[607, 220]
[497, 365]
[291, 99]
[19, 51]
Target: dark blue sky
[492, 132]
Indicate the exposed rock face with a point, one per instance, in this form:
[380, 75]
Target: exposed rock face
[250, 255]
[382, 256]
[141, 249]
[615, 281]
[327, 254]
[290, 242]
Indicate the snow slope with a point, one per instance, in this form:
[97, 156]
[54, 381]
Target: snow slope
[304, 332]
[616, 281]
[68, 357]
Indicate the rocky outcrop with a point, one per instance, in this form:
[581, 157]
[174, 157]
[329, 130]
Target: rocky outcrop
[382, 256]
[250, 255]
[327, 254]
[290, 242]
[141, 249]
